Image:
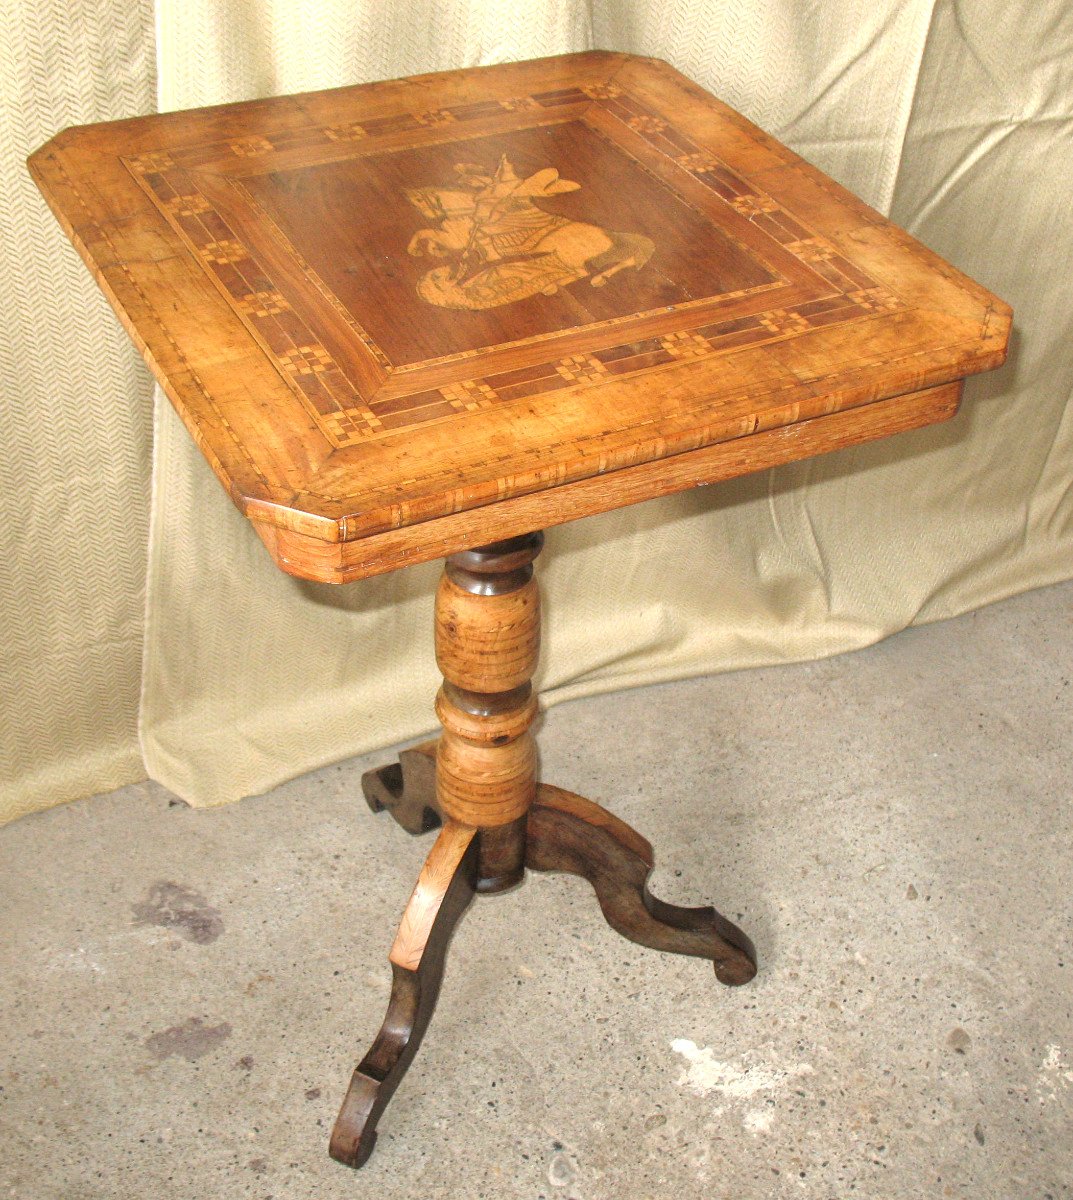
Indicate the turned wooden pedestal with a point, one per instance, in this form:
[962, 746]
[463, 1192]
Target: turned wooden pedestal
[479, 780]
[414, 317]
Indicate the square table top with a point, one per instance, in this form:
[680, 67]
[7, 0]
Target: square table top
[404, 318]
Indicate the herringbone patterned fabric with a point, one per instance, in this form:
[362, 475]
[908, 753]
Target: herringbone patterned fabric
[74, 427]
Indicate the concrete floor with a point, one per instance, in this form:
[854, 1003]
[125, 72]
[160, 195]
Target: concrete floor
[184, 993]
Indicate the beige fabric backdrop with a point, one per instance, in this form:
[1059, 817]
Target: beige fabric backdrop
[74, 427]
[953, 117]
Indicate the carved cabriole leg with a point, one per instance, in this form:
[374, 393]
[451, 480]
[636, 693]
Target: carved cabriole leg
[569, 833]
[487, 642]
[406, 789]
[444, 890]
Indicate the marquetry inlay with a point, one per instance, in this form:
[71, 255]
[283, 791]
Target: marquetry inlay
[511, 204]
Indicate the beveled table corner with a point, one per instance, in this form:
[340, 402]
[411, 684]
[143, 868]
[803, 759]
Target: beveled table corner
[427, 317]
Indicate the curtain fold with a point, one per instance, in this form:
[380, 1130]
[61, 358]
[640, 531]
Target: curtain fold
[953, 117]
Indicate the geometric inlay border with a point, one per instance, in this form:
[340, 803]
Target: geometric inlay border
[337, 403]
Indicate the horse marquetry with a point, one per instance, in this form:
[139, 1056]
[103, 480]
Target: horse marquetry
[505, 246]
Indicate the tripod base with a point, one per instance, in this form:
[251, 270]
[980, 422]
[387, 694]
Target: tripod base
[564, 832]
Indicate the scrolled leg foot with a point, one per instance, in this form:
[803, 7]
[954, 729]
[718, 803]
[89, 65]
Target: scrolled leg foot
[569, 833]
[444, 890]
[407, 789]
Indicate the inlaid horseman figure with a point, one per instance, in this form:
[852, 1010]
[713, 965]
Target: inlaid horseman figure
[504, 247]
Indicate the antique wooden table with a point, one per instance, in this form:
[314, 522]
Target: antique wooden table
[425, 318]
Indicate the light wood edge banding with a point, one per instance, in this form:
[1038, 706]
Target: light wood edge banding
[343, 562]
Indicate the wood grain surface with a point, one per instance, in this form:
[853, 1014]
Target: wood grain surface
[432, 884]
[341, 562]
[487, 646]
[380, 308]
[444, 891]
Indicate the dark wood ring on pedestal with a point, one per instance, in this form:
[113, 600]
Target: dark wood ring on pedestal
[497, 568]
